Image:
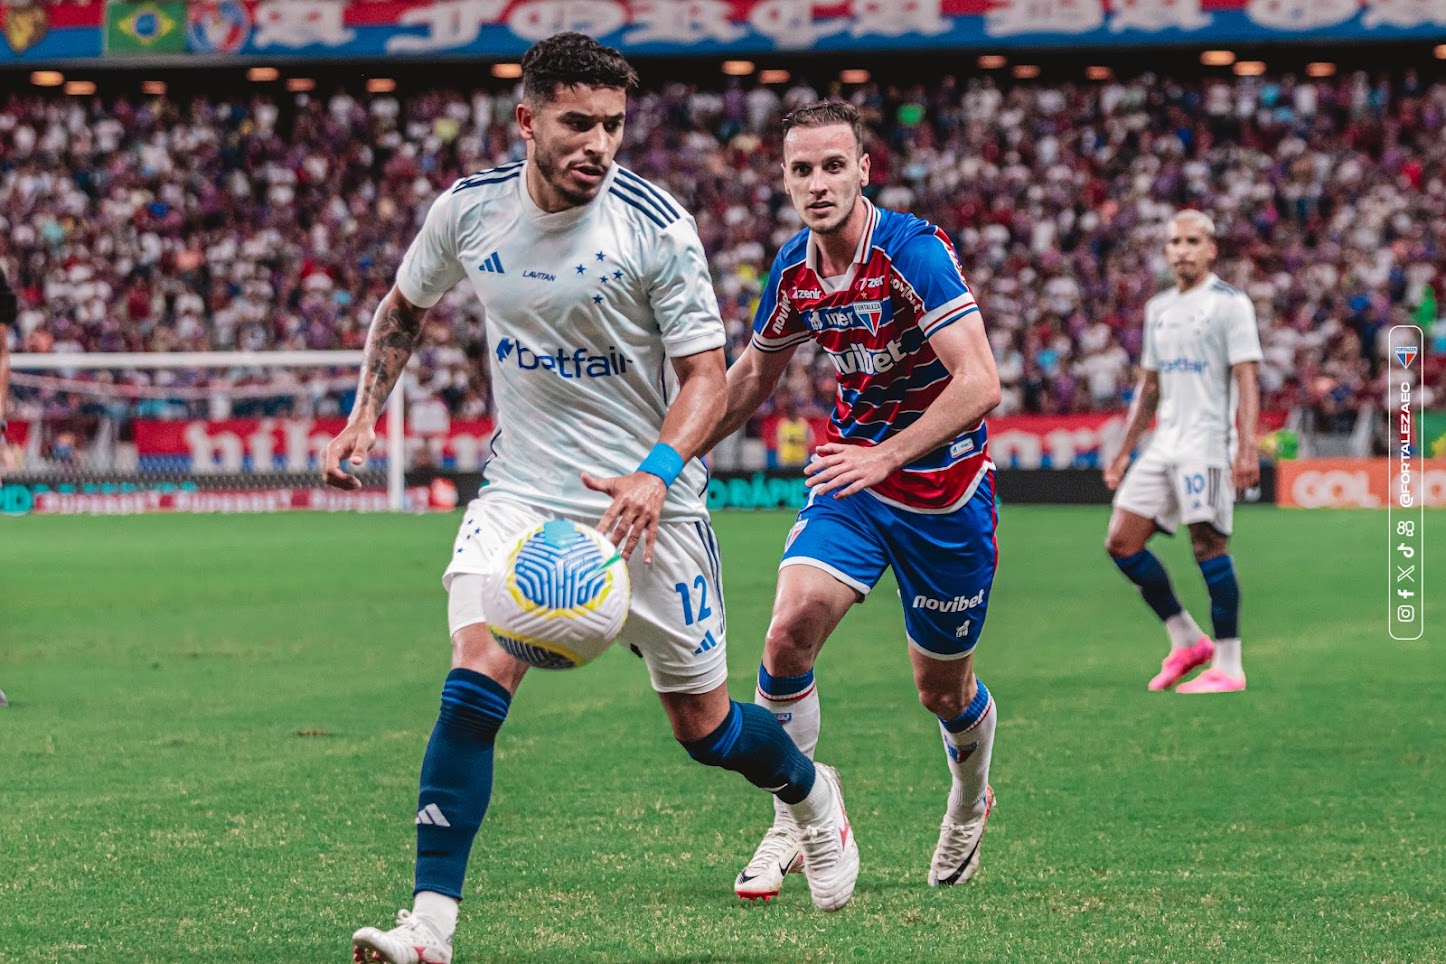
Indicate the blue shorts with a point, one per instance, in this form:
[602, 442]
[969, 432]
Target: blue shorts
[944, 562]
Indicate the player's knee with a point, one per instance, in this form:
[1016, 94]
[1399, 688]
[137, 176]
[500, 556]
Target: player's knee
[796, 631]
[945, 702]
[1120, 546]
[1207, 544]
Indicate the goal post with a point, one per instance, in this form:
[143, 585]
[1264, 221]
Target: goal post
[61, 369]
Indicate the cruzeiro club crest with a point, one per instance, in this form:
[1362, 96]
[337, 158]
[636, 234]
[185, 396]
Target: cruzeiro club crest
[1405, 355]
[25, 26]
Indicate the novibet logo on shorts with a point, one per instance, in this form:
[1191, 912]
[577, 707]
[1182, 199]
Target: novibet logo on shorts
[956, 605]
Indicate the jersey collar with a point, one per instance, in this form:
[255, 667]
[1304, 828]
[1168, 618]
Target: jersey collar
[556, 220]
[861, 253]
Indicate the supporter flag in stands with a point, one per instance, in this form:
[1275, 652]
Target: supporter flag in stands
[145, 28]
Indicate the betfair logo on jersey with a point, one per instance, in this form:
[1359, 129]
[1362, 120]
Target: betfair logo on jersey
[956, 605]
[1182, 365]
[565, 362]
[860, 314]
[858, 360]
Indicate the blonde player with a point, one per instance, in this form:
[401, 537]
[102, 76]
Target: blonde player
[1200, 359]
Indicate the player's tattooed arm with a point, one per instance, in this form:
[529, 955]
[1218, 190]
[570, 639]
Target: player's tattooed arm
[1142, 413]
[396, 328]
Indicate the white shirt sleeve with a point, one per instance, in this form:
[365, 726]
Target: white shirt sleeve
[1149, 361]
[682, 292]
[1242, 338]
[430, 267]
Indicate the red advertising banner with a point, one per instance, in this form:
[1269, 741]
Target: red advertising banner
[292, 445]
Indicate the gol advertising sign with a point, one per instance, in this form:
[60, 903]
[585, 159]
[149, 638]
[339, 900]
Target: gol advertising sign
[1353, 483]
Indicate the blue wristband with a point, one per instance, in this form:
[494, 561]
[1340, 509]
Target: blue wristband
[664, 462]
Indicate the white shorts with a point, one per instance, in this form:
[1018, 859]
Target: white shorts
[1171, 492]
[676, 622]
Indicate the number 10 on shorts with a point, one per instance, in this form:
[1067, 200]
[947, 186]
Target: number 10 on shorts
[1405, 607]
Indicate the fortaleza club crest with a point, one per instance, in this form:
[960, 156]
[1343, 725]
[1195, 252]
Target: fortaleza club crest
[1405, 355]
[25, 26]
[219, 27]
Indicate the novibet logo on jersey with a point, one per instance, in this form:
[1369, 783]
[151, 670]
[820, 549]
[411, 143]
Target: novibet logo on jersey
[583, 362]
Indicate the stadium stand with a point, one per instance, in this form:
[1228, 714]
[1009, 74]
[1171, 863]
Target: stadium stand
[261, 222]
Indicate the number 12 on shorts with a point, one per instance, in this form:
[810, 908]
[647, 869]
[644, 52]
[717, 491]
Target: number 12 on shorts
[685, 594]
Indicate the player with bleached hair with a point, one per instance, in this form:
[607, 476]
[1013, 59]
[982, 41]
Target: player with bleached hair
[904, 480]
[1199, 364]
[607, 371]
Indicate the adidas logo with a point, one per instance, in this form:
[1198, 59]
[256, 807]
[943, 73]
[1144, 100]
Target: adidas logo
[493, 264]
[431, 814]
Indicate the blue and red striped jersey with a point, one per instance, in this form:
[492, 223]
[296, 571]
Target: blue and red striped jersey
[874, 323]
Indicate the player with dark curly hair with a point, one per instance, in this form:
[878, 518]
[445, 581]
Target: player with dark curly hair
[607, 372]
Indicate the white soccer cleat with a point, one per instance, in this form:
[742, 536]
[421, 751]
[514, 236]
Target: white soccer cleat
[778, 855]
[956, 859]
[412, 941]
[830, 853]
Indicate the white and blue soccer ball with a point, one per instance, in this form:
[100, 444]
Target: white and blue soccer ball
[560, 596]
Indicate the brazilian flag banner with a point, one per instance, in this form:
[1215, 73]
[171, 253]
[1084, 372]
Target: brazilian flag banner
[151, 27]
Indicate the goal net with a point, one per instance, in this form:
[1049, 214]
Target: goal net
[212, 431]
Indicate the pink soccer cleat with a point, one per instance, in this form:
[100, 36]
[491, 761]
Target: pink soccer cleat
[1180, 662]
[1213, 681]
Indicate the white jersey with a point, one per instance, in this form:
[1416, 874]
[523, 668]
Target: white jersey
[585, 308]
[1192, 339]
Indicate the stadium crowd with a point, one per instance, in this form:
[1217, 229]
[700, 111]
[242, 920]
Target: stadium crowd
[272, 222]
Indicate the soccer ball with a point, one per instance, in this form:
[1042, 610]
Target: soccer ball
[560, 596]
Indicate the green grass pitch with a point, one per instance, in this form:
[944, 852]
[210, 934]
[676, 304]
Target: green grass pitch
[217, 724]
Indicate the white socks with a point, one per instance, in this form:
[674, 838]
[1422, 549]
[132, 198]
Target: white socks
[438, 910]
[798, 712]
[1227, 657]
[816, 806]
[969, 752]
[1183, 630]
